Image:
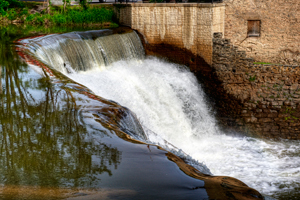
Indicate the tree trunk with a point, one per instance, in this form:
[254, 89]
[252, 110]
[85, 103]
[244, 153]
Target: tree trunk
[48, 6]
[65, 4]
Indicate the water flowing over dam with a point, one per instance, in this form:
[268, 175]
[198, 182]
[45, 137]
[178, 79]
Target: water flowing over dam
[81, 51]
[171, 107]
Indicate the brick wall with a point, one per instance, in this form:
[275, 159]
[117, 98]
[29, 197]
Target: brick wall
[280, 27]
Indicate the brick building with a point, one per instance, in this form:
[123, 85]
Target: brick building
[268, 30]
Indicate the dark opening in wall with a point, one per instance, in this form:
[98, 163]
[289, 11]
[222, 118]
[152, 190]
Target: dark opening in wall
[253, 28]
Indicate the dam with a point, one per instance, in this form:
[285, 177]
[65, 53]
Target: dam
[168, 108]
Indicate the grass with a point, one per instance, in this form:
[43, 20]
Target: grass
[266, 63]
[73, 15]
[262, 63]
[252, 78]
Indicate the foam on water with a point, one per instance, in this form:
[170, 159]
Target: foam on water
[171, 106]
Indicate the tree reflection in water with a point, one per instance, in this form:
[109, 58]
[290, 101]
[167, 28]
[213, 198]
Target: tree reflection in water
[42, 140]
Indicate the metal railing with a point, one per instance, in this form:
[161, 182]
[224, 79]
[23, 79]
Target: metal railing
[170, 1]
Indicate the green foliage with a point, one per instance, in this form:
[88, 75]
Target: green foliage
[262, 63]
[92, 15]
[31, 4]
[3, 7]
[31, 17]
[289, 111]
[60, 15]
[265, 63]
[5, 4]
[7, 7]
[59, 19]
[40, 19]
[75, 16]
[24, 11]
[113, 25]
[252, 78]
[66, 5]
[15, 4]
[19, 31]
[12, 14]
[84, 4]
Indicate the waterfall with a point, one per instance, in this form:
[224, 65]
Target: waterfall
[171, 107]
[81, 51]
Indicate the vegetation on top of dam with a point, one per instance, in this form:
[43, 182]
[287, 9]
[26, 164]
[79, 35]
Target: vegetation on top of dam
[13, 11]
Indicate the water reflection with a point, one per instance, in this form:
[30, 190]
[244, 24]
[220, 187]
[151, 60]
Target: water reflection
[43, 141]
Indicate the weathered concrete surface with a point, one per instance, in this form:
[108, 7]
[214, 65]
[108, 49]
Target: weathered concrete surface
[188, 26]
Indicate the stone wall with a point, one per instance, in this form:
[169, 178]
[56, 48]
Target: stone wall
[186, 26]
[263, 99]
[279, 40]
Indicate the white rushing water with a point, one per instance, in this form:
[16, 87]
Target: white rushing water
[171, 106]
[82, 51]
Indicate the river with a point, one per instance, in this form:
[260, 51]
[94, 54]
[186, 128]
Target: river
[167, 101]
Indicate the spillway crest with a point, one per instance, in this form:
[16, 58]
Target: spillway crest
[81, 51]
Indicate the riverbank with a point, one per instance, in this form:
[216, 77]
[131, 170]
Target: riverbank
[33, 13]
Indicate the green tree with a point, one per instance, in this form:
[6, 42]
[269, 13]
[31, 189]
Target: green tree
[84, 4]
[3, 7]
[6, 4]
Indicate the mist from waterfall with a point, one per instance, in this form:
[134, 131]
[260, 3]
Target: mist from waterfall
[172, 108]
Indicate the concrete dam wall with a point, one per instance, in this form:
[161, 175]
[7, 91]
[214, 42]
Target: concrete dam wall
[186, 26]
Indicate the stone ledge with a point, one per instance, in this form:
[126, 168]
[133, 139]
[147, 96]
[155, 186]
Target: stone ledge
[199, 5]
